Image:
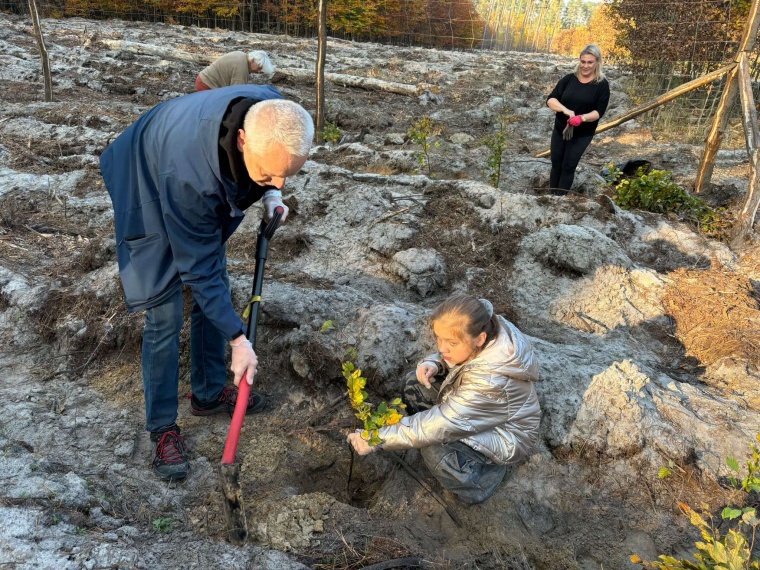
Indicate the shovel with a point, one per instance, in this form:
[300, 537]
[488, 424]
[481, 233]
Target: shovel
[230, 471]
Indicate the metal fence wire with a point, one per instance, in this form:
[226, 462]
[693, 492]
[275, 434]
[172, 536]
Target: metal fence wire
[664, 43]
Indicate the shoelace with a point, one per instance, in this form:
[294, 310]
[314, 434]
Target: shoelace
[171, 448]
[228, 396]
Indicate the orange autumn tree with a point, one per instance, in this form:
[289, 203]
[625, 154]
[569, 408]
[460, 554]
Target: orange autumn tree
[601, 30]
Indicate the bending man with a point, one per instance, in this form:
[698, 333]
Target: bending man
[233, 69]
[180, 178]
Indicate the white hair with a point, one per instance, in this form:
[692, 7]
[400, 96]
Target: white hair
[262, 60]
[279, 121]
[595, 51]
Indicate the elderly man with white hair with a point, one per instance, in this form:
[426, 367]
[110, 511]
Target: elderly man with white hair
[233, 69]
[180, 178]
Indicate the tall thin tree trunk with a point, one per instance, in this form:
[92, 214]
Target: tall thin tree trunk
[528, 14]
[541, 12]
[508, 30]
[555, 27]
[487, 28]
[321, 49]
[43, 50]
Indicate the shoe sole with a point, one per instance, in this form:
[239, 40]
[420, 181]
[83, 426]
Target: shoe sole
[222, 409]
[178, 476]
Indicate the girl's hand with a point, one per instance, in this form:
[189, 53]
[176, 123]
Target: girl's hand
[425, 371]
[360, 445]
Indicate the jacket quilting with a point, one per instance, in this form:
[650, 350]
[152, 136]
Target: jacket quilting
[489, 403]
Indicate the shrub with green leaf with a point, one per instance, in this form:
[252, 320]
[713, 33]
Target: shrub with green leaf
[163, 524]
[657, 192]
[497, 143]
[423, 133]
[372, 418]
[331, 133]
[731, 550]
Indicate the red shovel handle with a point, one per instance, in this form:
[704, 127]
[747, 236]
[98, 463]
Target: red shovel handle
[233, 436]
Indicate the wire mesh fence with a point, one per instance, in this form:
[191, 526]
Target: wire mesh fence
[658, 44]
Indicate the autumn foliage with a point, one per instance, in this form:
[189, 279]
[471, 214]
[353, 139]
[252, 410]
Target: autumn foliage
[601, 30]
[677, 31]
[443, 23]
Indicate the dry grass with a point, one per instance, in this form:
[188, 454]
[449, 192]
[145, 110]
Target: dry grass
[380, 168]
[365, 552]
[716, 314]
[472, 252]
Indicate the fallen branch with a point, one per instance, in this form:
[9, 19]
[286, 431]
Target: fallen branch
[368, 83]
[391, 215]
[296, 73]
[160, 51]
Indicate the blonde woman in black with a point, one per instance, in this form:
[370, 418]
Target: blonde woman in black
[580, 100]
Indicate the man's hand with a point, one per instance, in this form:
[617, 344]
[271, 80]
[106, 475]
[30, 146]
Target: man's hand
[271, 200]
[244, 361]
[360, 444]
[425, 371]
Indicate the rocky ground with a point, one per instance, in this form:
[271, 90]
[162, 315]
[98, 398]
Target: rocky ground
[647, 332]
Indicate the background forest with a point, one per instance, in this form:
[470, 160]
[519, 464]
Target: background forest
[707, 30]
[660, 44]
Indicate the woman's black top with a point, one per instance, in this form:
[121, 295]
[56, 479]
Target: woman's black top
[580, 98]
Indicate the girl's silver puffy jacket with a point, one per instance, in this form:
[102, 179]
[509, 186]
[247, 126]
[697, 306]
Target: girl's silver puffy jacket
[489, 403]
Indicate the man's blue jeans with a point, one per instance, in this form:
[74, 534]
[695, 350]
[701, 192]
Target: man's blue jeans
[467, 473]
[160, 358]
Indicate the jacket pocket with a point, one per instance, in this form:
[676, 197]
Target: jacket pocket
[147, 268]
[139, 240]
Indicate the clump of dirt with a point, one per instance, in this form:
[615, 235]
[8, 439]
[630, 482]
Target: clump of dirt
[716, 314]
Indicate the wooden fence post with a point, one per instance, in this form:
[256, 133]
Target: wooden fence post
[746, 217]
[720, 122]
[717, 130]
[43, 50]
[319, 126]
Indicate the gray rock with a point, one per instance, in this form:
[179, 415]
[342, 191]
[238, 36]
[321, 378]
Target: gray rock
[423, 270]
[461, 138]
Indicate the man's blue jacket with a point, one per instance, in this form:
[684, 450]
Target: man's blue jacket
[173, 208]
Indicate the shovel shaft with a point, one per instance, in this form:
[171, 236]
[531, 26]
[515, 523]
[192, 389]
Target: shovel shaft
[233, 436]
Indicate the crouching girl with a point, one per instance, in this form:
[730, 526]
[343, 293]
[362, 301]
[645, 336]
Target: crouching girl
[473, 405]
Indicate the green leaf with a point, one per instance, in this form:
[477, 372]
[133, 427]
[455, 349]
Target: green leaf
[327, 326]
[664, 473]
[730, 513]
[733, 464]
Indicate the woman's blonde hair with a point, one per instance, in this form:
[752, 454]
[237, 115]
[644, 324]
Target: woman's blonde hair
[596, 51]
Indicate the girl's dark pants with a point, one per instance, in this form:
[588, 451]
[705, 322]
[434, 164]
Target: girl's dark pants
[467, 473]
[565, 156]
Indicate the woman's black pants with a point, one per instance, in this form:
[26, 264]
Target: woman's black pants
[565, 157]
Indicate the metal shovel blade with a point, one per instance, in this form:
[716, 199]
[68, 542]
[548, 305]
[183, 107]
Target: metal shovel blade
[234, 509]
